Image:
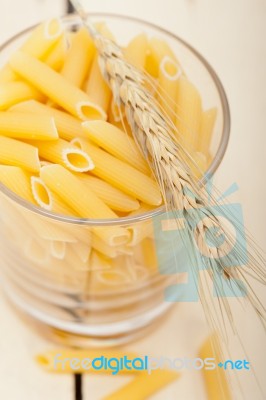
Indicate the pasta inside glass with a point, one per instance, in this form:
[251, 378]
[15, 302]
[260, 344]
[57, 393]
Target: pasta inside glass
[96, 277]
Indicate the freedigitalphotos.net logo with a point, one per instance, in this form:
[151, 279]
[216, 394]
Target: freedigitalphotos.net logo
[146, 363]
[177, 253]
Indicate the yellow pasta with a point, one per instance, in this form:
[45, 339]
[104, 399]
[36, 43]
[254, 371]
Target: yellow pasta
[116, 142]
[14, 92]
[207, 122]
[144, 385]
[157, 50]
[96, 87]
[47, 199]
[58, 249]
[43, 38]
[82, 250]
[63, 152]
[136, 51]
[68, 126]
[168, 82]
[122, 175]
[19, 154]
[27, 126]
[200, 164]
[40, 41]
[103, 248]
[188, 112]
[78, 58]
[56, 57]
[215, 380]
[111, 196]
[103, 29]
[83, 201]
[56, 87]
[98, 262]
[17, 180]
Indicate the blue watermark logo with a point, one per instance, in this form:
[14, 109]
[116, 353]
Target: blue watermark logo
[177, 250]
[115, 365]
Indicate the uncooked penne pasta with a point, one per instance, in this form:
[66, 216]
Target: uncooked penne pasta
[122, 175]
[14, 92]
[40, 41]
[157, 50]
[47, 199]
[136, 51]
[43, 38]
[103, 248]
[98, 262]
[96, 87]
[215, 380]
[19, 154]
[56, 57]
[27, 126]
[17, 180]
[113, 197]
[116, 142]
[207, 123]
[188, 113]
[57, 249]
[144, 385]
[68, 126]
[78, 58]
[63, 152]
[168, 82]
[47, 229]
[56, 87]
[83, 201]
[82, 250]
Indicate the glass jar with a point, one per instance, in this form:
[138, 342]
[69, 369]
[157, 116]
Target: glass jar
[59, 272]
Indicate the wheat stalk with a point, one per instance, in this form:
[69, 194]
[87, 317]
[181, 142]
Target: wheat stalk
[155, 136]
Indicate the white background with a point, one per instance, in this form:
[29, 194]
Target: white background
[231, 36]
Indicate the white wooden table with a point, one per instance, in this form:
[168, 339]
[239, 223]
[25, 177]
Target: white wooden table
[231, 36]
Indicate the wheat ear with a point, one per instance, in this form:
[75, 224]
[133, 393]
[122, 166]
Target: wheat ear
[155, 135]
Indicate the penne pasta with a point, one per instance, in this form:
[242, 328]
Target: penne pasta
[116, 142]
[68, 126]
[56, 87]
[82, 250]
[188, 112]
[15, 92]
[40, 41]
[144, 385]
[58, 249]
[27, 126]
[136, 51]
[56, 57]
[168, 82]
[43, 38]
[96, 87]
[111, 196]
[122, 175]
[157, 50]
[41, 193]
[17, 180]
[63, 152]
[216, 383]
[98, 262]
[207, 123]
[47, 199]
[103, 248]
[78, 196]
[19, 154]
[78, 58]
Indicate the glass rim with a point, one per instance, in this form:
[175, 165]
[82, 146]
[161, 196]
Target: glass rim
[159, 210]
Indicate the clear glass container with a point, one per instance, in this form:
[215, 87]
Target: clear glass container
[58, 271]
